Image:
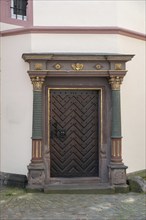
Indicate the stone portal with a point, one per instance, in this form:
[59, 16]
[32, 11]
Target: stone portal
[76, 118]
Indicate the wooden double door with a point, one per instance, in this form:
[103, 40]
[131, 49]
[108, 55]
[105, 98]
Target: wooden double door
[74, 133]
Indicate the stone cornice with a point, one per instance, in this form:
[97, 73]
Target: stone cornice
[76, 56]
[75, 30]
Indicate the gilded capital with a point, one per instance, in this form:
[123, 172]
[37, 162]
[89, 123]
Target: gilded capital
[115, 82]
[37, 82]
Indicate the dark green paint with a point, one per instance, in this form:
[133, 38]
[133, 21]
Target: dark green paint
[37, 115]
[116, 114]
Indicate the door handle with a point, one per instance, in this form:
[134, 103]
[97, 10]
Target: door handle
[61, 134]
[55, 132]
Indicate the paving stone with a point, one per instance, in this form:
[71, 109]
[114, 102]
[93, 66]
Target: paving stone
[17, 204]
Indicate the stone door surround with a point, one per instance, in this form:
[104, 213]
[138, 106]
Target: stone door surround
[46, 71]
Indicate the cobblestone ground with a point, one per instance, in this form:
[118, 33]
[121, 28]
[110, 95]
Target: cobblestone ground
[17, 204]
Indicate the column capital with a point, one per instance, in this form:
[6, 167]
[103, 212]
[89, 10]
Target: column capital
[115, 82]
[37, 82]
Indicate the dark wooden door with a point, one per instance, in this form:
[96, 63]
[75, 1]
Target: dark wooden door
[74, 133]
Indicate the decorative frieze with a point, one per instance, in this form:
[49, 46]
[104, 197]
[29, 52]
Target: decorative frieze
[98, 63]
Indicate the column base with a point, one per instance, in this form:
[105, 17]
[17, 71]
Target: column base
[36, 176]
[117, 174]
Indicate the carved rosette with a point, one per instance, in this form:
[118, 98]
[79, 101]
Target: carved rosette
[37, 82]
[115, 82]
[57, 66]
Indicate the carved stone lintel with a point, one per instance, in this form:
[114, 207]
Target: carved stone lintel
[37, 82]
[115, 82]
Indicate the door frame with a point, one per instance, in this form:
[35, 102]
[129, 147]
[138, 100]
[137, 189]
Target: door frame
[97, 70]
[100, 130]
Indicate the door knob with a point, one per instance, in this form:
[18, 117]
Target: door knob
[61, 134]
[55, 132]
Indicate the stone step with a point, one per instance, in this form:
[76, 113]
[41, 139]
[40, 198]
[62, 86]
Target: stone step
[75, 180]
[79, 189]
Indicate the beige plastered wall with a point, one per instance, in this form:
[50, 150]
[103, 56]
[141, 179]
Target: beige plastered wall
[16, 105]
[133, 103]
[128, 14]
[16, 88]
[16, 98]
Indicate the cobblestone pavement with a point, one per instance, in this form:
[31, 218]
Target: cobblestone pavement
[17, 204]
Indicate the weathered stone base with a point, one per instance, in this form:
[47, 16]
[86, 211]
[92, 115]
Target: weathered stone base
[117, 174]
[36, 176]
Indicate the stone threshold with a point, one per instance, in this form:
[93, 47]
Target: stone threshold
[80, 188]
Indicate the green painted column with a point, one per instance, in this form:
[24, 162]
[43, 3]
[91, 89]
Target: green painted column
[116, 135]
[117, 170]
[37, 119]
[37, 115]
